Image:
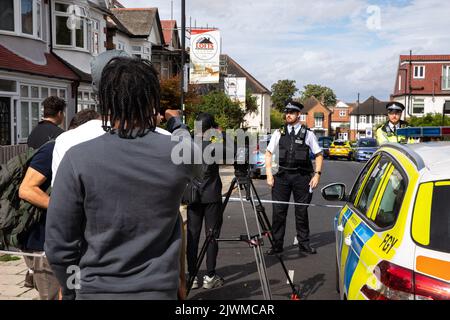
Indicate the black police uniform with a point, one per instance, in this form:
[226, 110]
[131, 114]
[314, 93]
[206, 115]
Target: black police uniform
[294, 175]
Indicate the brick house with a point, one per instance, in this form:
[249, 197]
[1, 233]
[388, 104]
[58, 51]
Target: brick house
[422, 83]
[340, 120]
[316, 116]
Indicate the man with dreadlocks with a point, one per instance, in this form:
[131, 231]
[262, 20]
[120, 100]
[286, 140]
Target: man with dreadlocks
[114, 210]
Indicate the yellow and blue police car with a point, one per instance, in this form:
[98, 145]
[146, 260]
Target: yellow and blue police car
[393, 234]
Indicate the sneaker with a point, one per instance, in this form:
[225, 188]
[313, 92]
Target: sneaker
[195, 283]
[29, 283]
[213, 282]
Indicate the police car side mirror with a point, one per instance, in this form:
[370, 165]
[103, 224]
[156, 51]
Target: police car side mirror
[334, 192]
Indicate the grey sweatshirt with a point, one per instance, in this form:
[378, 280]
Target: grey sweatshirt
[114, 213]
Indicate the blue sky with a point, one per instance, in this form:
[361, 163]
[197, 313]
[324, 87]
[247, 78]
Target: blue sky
[349, 45]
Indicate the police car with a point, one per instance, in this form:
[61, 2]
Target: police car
[393, 234]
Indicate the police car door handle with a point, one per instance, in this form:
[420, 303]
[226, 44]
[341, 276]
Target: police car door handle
[348, 241]
[340, 228]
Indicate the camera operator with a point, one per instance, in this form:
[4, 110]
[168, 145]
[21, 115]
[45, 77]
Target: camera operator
[114, 210]
[206, 207]
[296, 175]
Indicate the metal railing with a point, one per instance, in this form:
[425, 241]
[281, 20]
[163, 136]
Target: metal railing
[9, 152]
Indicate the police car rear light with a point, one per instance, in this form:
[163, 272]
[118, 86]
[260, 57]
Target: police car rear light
[427, 288]
[392, 283]
[395, 277]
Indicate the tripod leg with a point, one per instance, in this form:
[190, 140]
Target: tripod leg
[209, 238]
[259, 256]
[267, 227]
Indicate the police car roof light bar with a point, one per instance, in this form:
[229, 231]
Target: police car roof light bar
[419, 132]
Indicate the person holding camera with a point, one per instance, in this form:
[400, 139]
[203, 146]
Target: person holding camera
[293, 144]
[207, 206]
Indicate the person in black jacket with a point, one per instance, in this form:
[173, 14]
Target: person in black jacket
[208, 207]
[48, 128]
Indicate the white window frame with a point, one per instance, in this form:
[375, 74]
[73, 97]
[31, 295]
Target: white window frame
[420, 75]
[37, 21]
[363, 119]
[446, 77]
[303, 117]
[342, 113]
[83, 103]
[399, 83]
[94, 36]
[84, 19]
[318, 122]
[121, 45]
[30, 100]
[418, 101]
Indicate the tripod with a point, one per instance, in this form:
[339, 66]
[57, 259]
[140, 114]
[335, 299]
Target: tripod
[243, 181]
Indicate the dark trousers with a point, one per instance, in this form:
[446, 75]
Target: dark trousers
[285, 184]
[211, 212]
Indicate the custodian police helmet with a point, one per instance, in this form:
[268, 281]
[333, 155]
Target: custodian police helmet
[395, 106]
[293, 106]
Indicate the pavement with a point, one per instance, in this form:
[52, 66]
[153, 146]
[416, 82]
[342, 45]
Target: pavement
[12, 279]
[12, 273]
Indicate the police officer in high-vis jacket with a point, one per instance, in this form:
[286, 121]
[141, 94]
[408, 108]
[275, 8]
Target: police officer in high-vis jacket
[388, 131]
[292, 144]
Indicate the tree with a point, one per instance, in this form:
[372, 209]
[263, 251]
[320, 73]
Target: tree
[251, 105]
[227, 113]
[171, 94]
[282, 91]
[276, 119]
[323, 94]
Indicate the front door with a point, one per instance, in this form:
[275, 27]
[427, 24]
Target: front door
[5, 121]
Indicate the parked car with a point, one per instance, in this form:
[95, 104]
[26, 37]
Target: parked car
[341, 149]
[325, 143]
[365, 148]
[392, 235]
[258, 161]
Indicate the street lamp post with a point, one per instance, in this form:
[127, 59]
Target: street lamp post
[183, 46]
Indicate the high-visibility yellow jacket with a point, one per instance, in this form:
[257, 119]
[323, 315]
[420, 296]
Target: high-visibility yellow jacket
[384, 134]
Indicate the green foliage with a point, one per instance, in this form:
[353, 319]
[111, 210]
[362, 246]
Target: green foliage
[429, 120]
[227, 113]
[276, 119]
[7, 257]
[319, 92]
[251, 105]
[282, 91]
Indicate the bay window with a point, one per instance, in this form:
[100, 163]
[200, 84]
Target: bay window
[7, 15]
[70, 25]
[21, 17]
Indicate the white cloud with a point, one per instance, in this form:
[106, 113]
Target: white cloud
[324, 42]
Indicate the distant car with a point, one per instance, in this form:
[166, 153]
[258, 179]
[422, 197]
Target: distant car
[258, 161]
[393, 235]
[325, 143]
[341, 149]
[365, 148]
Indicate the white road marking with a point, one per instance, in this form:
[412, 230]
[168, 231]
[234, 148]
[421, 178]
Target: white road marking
[295, 241]
[291, 276]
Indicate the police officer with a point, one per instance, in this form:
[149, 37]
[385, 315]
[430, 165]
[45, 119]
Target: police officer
[293, 144]
[388, 131]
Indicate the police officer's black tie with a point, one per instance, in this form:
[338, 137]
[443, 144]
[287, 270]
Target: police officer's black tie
[292, 134]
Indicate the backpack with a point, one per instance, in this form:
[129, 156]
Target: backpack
[16, 215]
